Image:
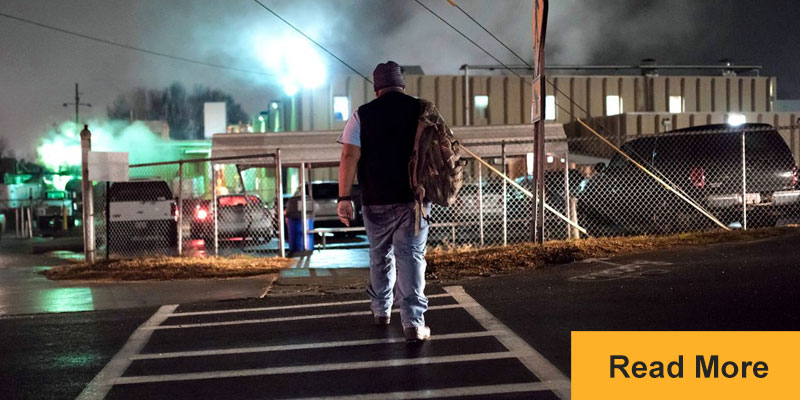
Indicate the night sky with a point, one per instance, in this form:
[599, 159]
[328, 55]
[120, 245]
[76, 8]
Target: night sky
[40, 67]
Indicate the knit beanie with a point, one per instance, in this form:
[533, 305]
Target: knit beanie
[387, 75]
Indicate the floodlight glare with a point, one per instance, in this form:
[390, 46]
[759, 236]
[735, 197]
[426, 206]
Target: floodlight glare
[736, 119]
[294, 61]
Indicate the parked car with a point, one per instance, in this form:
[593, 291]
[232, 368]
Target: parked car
[323, 200]
[553, 186]
[467, 203]
[141, 211]
[240, 217]
[622, 200]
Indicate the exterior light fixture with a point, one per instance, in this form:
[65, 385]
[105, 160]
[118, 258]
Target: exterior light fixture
[736, 119]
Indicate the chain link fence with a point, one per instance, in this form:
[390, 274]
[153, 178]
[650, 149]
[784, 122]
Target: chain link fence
[712, 176]
[220, 206]
[691, 179]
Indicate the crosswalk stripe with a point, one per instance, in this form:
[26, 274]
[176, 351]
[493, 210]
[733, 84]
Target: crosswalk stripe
[291, 307]
[303, 346]
[532, 359]
[453, 392]
[313, 368]
[99, 386]
[284, 319]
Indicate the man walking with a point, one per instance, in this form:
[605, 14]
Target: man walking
[378, 142]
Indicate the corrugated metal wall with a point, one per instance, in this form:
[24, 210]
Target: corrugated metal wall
[510, 96]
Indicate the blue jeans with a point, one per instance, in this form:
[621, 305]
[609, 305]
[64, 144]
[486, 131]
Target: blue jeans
[394, 246]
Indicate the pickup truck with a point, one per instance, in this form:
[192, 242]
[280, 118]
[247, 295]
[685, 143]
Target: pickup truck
[51, 209]
[141, 211]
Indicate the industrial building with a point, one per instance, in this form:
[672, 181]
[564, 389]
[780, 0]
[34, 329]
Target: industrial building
[483, 105]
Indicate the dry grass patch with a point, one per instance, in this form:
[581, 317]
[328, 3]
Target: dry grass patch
[169, 268]
[461, 262]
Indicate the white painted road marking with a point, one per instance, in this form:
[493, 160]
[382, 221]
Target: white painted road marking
[533, 360]
[303, 346]
[552, 379]
[399, 362]
[284, 319]
[635, 269]
[453, 392]
[102, 382]
[292, 307]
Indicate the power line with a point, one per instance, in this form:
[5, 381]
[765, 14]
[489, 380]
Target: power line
[490, 33]
[312, 40]
[467, 37]
[129, 47]
[568, 97]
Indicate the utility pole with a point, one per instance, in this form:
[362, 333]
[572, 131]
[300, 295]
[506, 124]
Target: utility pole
[88, 200]
[537, 118]
[77, 105]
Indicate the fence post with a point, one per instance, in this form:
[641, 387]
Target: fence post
[179, 222]
[573, 216]
[566, 193]
[744, 183]
[17, 222]
[480, 200]
[108, 220]
[303, 210]
[30, 223]
[64, 215]
[505, 193]
[88, 198]
[214, 206]
[279, 202]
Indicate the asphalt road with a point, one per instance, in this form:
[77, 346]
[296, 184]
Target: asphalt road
[53, 356]
[738, 286]
[741, 286]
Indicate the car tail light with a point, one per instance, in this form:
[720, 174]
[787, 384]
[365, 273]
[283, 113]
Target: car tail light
[200, 213]
[698, 177]
[174, 210]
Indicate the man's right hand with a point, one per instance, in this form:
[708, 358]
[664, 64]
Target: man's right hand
[345, 212]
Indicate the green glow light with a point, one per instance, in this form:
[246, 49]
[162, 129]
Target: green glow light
[77, 360]
[60, 148]
[66, 300]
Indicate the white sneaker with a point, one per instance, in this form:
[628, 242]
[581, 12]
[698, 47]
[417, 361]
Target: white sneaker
[417, 333]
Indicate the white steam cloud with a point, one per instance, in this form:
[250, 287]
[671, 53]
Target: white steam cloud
[60, 147]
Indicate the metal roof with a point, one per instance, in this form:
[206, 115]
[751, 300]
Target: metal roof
[320, 147]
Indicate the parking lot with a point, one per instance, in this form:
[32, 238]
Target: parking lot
[329, 350]
[323, 345]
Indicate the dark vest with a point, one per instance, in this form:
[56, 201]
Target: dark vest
[388, 127]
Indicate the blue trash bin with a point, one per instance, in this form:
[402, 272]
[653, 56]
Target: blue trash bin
[295, 234]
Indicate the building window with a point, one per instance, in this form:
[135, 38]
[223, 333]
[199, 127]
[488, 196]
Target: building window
[481, 105]
[341, 108]
[676, 104]
[550, 108]
[613, 105]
